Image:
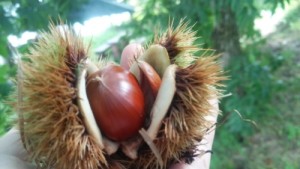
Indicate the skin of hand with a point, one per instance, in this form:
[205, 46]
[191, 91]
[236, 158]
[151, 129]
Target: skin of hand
[13, 155]
[203, 162]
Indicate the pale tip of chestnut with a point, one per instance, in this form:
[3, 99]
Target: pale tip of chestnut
[129, 147]
[110, 147]
[131, 154]
[158, 57]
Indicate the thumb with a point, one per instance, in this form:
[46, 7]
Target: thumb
[11, 162]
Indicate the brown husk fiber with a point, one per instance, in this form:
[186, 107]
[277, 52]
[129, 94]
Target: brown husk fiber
[197, 82]
[52, 130]
[50, 121]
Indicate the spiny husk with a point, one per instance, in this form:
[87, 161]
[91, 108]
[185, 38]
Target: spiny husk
[179, 42]
[197, 81]
[185, 124]
[54, 133]
[51, 127]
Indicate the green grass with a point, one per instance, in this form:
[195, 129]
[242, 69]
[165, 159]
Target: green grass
[265, 84]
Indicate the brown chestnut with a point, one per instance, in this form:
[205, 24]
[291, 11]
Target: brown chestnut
[117, 102]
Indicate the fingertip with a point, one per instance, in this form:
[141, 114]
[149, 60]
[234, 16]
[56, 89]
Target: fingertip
[181, 165]
[11, 144]
[11, 162]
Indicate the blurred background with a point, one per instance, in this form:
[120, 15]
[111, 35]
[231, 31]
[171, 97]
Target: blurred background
[260, 45]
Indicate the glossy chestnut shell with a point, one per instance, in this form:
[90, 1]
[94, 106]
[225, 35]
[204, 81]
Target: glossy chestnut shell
[117, 102]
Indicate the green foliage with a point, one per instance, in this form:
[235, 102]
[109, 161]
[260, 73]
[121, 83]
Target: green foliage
[3, 71]
[224, 137]
[5, 110]
[17, 16]
[204, 14]
[262, 94]
[265, 83]
[291, 21]
[4, 117]
[5, 89]
[252, 85]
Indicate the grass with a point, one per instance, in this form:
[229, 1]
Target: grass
[265, 85]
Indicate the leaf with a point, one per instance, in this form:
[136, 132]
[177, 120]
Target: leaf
[4, 70]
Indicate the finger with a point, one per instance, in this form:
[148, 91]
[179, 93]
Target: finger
[11, 144]
[206, 143]
[11, 162]
[130, 52]
[181, 165]
[203, 161]
[215, 111]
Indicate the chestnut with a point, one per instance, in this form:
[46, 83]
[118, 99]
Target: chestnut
[117, 102]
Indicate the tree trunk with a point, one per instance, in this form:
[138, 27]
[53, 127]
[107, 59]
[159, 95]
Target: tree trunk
[225, 36]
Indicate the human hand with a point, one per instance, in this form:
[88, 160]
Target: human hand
[14, 156]
[203, 162]
[12, 153]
